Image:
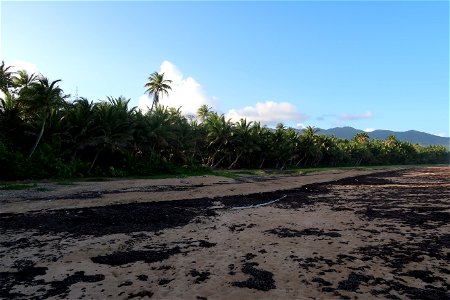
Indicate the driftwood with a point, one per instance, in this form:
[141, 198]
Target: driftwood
[261, 204]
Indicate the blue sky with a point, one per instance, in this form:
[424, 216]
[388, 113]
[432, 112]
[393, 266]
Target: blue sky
[373, 64]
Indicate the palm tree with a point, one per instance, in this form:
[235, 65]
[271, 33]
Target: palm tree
[263, 139]
[113, 127]
[310, 132]
[361, 138]
[5, 78]
[23, 79]
[81, 122]
[203, 112]
[219, 133]
[157, 86]
[40, 99]
[244, 140]
[11, 123]
[158, 130]
[309, 146]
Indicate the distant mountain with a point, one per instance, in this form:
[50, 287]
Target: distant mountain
[340, 132]
[412, 136]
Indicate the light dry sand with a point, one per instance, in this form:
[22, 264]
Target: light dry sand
[308, 266]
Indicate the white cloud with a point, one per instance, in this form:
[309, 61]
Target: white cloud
[18, 65]
[441, 134]
[268, 113]
[366, 115]
[144, 103]
[186, 92]
[369, 129]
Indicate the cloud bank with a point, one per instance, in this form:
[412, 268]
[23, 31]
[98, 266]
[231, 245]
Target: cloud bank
[268, 113]
[186, 92]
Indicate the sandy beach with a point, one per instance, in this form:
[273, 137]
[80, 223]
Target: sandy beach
[328, 235]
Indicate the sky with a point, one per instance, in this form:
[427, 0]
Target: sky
[366, 64]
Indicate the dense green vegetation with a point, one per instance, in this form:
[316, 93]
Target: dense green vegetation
[45, 134]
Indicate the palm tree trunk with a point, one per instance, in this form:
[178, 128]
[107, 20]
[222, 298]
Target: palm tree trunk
[93, 162]
[359, 162]
[262, 162]
[306, 162]
[74, 155]
[213, 157]
[154, 102]
[220, 160]
[298, 163]
[235, 161]
[38, 139]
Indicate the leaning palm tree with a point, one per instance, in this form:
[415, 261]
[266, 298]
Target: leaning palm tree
[40, 99]
[157, 86]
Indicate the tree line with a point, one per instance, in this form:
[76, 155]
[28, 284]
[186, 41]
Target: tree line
[45, 134]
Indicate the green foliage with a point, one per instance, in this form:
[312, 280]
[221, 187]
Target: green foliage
[12, 164]
[16, 187]
[83, 139]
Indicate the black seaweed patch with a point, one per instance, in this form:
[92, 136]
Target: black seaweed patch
[260, 280]
[122, 258]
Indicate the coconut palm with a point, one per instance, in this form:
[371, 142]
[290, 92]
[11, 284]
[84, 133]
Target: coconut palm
[310, 132]
[361, 138]
[39, 99]
[263, 139]
[5, 78]
[158, 130]
[244, 140]
[219, 133]
[157, 86]
[11, 121]
[309, 146]
[23, 79]
[113, 129]
[80, 117]
[203, 112]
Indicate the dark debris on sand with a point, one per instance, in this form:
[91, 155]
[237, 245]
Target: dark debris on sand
[287, 232]
[259, 280]
[421, 211]
[123, 218]
[200, 276]
[126, 257]
[140, 294]
[26, 273]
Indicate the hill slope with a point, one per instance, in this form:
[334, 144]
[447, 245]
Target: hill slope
[412, 136]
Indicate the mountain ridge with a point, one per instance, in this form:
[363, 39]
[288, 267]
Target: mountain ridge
[412, 136]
